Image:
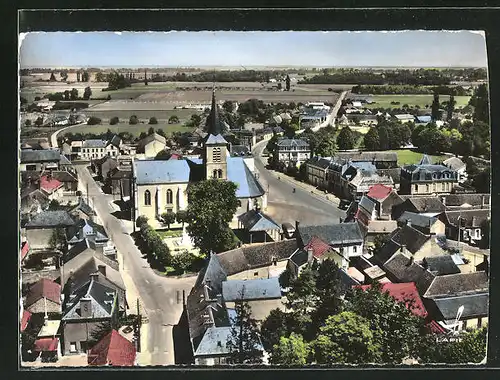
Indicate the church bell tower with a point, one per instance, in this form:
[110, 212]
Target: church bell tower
[215, 146]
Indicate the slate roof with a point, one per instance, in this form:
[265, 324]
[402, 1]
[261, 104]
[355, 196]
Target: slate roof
[255, 255]
[102, 298]
[475, 305]
[213, 140]
[94, 143]
[44, 288]
[468, 218]
[441, 265]
[117, 173]
[81, 252]
[333, 234]
[80, 271]
[368, 156]
[254, 289]
[430, 172]
[86, 228]
[401, 269]
[423, 204]
[299, 143]
[367, 204]
[214, 342]
[321, 162]
[425, 160]
[239, 173]
[83, 207]
[420, 220]
[157, 172]
[64, 176]
[114, 350]
[299, 258]
[240, 150]
[64, 160]
[458, 284]
[115, 141]
[454, 163]
[214, 125]
[410, 237]
[394, 173]
[254, 220]
[462, 200]
[46, 155]
[51, 219]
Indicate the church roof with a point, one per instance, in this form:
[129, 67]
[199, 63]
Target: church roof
[238, 172]
[216, 139]
[152, 171]
[214, 125]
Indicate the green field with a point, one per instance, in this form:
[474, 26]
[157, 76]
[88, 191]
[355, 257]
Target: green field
[408, 157]
[125, 127]
[384, 101]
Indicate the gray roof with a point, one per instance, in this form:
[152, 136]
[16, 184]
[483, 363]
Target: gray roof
[441, 265]
[94, 143]
[214, 342]
[459, 200]
[239, 173]
[321, 162]
[468, 218]
[419, 220]
[406, 235]
[51, 219]
[254, 220]
[64, 160]
[115, 141]
[401, 269]
[157, 172]
[430, 172]
[425, 160]
[46, 155]
[64, 176]
[254, 289]
[86, 229]
[333, 234]
[218, 139]
[475, 305]
[293, 142]
[240, 150]
[368, 156]
[458, 284]
[367, 204]
[103, 299]
[83, 207]
[454, 163]
[422, 204]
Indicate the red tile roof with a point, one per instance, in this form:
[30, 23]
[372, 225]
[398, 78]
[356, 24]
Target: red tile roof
[46, 344]
[175, 156]
[435, 327]
[25, 319]
[49, 184]
[114, 350]
[318, 246]
[44, 288]
[379, 192]
[402, 292]
[24, 250]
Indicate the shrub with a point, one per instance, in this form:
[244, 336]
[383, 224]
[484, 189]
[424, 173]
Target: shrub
[153, 120]
[133, 120]
[114, 120]
[141, 220]
[27, 123]
[173, 119]
[93, 120]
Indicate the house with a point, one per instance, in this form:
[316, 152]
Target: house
[448, 293]
[431, 206]
[43, 296]
[384, 199]
[82, 210]
[51, 186]
[38, 160]
[426, 178]
[424, 223]
[312, 117]
[317, 169]
[212, 349]
[114, 146]
[258, 224]
[69, 180]
[33, 201]
[47, 343]
[317, 250]
[456, 164]
[119, 181]
[471, 224]
[466, 201]
[113, 350]
[86, 229]
[423, 120]
[345, 238]
[103, 166]
[412, 242]
[151, 145]
[40, 229]
[84, 310]
[361, 182]
[160, 186]
[93, 149]
[440, 265]
[404, 118]
[262, 295]
[366, 213]
[381, 160]
[292, 152]
[76, 149]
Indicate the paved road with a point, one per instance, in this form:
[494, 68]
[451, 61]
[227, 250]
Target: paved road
[286, 206]
[159, 295]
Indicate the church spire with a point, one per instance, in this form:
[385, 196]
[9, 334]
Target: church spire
[213, 122]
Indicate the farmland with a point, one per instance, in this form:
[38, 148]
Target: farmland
[107, 112]
[135, 130]
[408, 157]
[384, 101]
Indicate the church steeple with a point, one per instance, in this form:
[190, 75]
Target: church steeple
[214, 126]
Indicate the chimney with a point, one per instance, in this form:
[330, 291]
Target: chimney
[309, 255]
[403, 248]
[408, 222]
[86, 307]
[219, 343]
[102, 269]
[411, 261]
[297, 225]
[483, 201]
[93, 276]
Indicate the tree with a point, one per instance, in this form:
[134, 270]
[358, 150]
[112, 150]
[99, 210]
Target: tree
[74, 94]
[39, 121]
[277, 324]
[160, 132]
[196, 120]
[52, 77]
[326, 146]
[450, 107]
[285, 278]
[78, 76]
[168, 218]
[395, 327]
[163, 155]
[93, 120]
[27, 123]
[151, 131]
[372, 140]
[228, 106]
[182, 260]
[291, 350]
[87, 93]
[345, 139]
[141, 220]
[58, 240]
[287, 83]
[133, 120]
[142, 135]
[66, 95]
[211, 206]
[153, 120]
[480, 102]
[181, 217]
[54, 205]
[244, 341]
[145, 78]
[114, 120]
[98, 332]
[346, 338]
[435, 113]
[173, 120]
[383, 135]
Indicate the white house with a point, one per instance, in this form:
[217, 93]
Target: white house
[293, 151]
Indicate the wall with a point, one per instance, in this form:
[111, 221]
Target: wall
[429, 249]
[439, 228]
[262, 272]
[261, 308]
[39, 307]
[430, 188]
[153, 148]
[94, 153]
[179, 199]
[39, 237]
[77, 332]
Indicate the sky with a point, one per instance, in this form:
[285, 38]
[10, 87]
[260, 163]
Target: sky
[234, 49]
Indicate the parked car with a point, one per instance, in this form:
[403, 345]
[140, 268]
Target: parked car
[288, 230]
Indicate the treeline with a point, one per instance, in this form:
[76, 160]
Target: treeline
[408, 90]
[220, 76]
[396, 77]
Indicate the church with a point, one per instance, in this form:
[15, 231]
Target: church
[160, 186]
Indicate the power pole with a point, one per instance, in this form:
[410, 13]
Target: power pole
[88, 194]
[139, 322]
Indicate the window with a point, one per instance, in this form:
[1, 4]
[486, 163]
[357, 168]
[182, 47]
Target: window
[169, 197]
[147, 198]
[427, 189]
[214, 174]
[442, 187]
[219, 173]
[479, 322]
[30, 167]
[416, 187]
[354, 249]
[434, 187]
[216, 154]
[83, 346]
[256, 274]
[72, 346]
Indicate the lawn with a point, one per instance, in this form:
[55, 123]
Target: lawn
[384, 101]
[135, 130]
[169, 233]
[407, 157]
